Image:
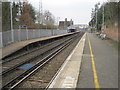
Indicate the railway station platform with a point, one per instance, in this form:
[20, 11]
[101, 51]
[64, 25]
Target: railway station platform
[68, 74]
[92, 64]
[18, 45]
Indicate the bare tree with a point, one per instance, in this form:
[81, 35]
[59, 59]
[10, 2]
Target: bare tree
[49, 19]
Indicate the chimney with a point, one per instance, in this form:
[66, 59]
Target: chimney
[65, 19]
[71, 22]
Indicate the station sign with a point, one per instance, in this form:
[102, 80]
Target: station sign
[23, 26]
[92, 27]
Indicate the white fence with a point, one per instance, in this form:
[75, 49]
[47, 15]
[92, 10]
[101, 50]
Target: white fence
[21, 35]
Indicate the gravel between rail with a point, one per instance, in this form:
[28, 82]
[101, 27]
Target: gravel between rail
[42, 78]
[22, 58]
[18, 71]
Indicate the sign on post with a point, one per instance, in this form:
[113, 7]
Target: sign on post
[24, 26]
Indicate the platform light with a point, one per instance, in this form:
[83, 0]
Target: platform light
[12, 33]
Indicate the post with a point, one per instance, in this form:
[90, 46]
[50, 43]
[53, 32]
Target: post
[96, 19]
[34, 33]
[19, 32]
[96, 14]
[58, 22]
[1, 41]
[39, 33]
[12, 33]
[52, 32]
[39, 15]
[27, 32]
[27, 38]
[103, 18]
[46, 26]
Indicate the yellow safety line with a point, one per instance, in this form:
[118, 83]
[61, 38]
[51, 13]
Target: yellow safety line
[97, 86]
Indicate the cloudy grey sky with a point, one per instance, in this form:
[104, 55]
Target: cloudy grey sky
[77, 10]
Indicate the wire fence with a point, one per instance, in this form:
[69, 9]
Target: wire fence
[21, 35]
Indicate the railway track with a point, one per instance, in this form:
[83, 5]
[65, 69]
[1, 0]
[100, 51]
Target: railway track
[21, 59]
[27, 50]
[15, 76]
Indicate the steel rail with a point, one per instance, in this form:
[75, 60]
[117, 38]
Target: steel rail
[16, 81]
[23, 54]
[4, 73]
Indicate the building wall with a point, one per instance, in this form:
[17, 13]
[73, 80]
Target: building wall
[112, 32]
[65, 24]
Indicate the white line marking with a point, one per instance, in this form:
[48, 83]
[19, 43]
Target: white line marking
[68, 82]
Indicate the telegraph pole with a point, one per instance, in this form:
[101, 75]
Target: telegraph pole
[58, 22]
[40, 12]
[96, 8]
[96, 17]
[103, 17]
[12, 33]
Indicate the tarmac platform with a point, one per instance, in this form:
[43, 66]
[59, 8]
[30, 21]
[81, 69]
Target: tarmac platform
[69, 72]
[92, 64]
[19, 45]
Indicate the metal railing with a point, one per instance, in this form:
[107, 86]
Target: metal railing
[21, 35]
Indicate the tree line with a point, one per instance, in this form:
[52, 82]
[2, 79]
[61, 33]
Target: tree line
[111, 15]
[25, 14]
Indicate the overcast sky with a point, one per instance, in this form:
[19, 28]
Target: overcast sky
[77, 10]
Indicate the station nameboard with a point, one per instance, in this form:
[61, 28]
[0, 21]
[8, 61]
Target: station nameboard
[23, 26]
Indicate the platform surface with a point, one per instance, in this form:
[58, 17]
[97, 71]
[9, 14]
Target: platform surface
[18, 45]
[69, 72]
[92, 64]
[105, 54]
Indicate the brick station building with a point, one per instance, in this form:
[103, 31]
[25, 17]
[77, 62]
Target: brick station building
[65, 24]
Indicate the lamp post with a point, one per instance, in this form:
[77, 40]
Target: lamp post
[40, 13]
[12, 34]
[58, 22]
[103, 17]
[96, 8]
